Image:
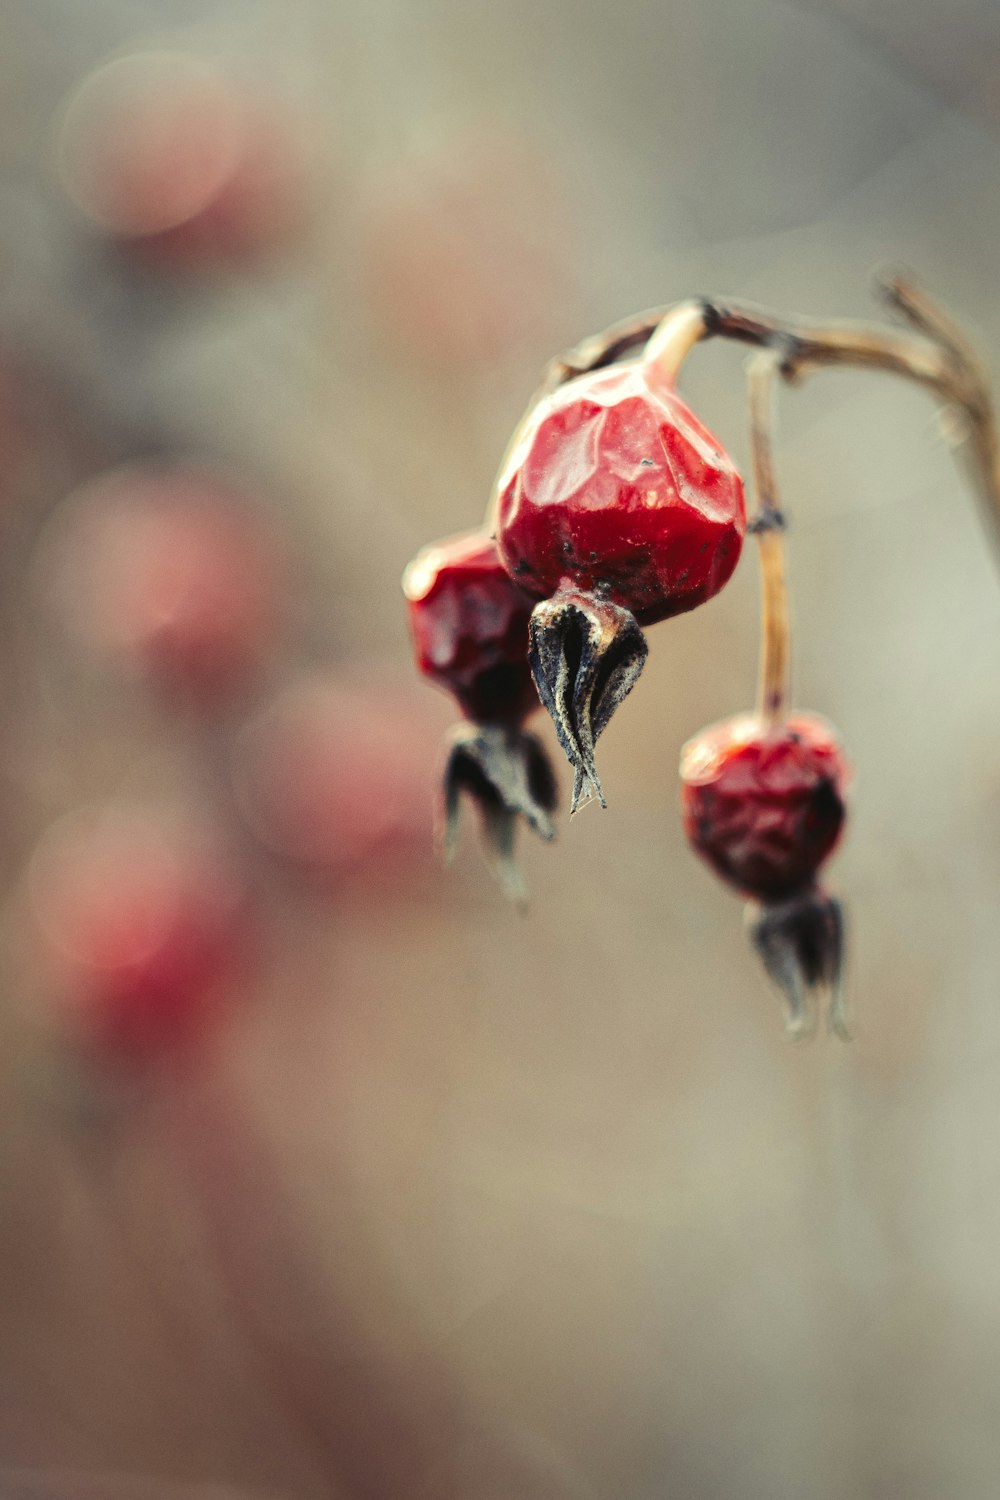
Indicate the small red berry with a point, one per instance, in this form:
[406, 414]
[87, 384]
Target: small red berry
[140, 925]
[617, 508]
[254, 217]
[615, 488]
[178, 163]
[462, 251]
[764, 806]
[332, 776]
[469, 624]
[170, 574]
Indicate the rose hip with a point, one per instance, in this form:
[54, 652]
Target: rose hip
[764, 806]
[617, 509]
[616, 489]
[333, 775]
[469, 624]
[170, 574]
[179, 164]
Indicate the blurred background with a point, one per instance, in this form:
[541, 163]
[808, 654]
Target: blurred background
[392, 1190]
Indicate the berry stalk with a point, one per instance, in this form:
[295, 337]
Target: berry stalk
[768, 524]
[675, 337]
[933, 353]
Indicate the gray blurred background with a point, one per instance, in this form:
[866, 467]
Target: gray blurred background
[458, 1202]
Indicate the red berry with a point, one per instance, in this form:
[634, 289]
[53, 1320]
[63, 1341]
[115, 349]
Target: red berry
[169, 573]
[178, 163]
[462, 251]
[470, 634]
[335, 777]
[469, 624]
[764, 805]
[615, 488]
[254, 214]
[141, 927]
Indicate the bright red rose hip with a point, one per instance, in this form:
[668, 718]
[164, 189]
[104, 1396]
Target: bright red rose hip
[615, 487]
[615, 508]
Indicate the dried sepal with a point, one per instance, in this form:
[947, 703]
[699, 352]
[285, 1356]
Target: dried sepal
[800, 941]
[586, 656]
[507, 774]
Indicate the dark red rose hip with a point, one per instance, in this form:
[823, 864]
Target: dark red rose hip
[618, 509]
[470, 628]
[764, 806]
[469, 624]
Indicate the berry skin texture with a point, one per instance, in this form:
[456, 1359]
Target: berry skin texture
[469, 625]
[764, 805]
[615, 488]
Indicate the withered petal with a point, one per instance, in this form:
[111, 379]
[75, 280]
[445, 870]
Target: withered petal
[505, 771]
[586, 656]
[800, 941]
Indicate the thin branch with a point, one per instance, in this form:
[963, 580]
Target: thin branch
[767, 524]
[935, 355]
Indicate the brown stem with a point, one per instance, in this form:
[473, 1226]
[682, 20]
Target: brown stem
[675, 337]
[767, 524]
[932, 353]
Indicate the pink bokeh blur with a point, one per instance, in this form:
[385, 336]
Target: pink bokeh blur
[324, 1172]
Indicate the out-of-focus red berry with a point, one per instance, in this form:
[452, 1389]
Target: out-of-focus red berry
[615, 488]
[141, 926]
[16, 434]
[169, 573]
[469, 625]
[464, 255]
[254, 214]
[179, 163]
[339, 776]
[764, 805]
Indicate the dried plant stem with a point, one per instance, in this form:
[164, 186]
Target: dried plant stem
[675, 337]
[767, 524]
[933, 353]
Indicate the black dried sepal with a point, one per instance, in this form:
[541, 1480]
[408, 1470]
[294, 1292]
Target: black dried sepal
[586, 656]
[507, 773]
[801, 943]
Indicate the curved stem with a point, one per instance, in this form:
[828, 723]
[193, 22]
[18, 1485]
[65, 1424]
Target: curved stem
[676, 335]
[976, 444]
[767, 524]
[933, 353]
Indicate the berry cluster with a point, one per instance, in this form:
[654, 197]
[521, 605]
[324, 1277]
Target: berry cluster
[615, 508]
